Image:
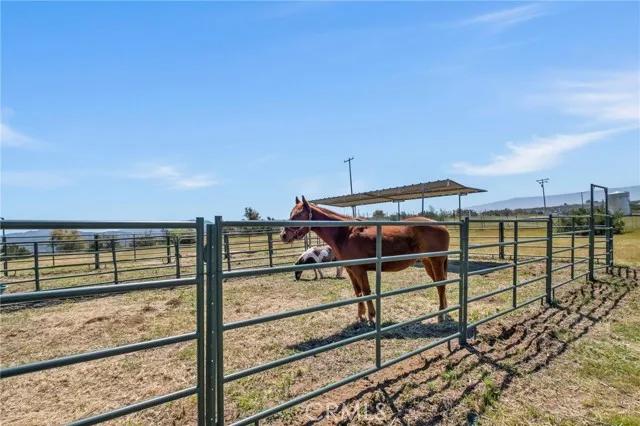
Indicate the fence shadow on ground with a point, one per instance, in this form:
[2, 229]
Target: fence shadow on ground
[501, 355]
[413, 331]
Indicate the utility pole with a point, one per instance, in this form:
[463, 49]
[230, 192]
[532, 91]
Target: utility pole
[544, 198]
[348, 160]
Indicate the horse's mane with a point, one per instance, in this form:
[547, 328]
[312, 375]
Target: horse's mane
[335, 214]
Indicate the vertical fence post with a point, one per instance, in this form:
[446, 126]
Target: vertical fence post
[270, 244]
[135, 255]
[549, 281]
[608, 232]
[114, 260]
[200, 321]
[219, 343]
[573, 247]
[501, 240]
[176, 254]
[211, 251]
[378, 293]
[514, 296]
[227, 251]
[5, 255]
[96, 252]
[53, 252]
[36, 265]
[592, 233]
[168, 248]
[463, 286]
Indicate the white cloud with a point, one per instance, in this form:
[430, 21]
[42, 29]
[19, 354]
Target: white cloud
[12, 138]
[34, 179]
[606, 97]
[539, 154]
[172, 177]
[505, 18]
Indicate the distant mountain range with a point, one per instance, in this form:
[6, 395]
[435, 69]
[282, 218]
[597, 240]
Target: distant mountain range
[553, 200]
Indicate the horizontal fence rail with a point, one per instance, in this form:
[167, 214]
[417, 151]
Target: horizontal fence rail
[530, 259]
[115, 287]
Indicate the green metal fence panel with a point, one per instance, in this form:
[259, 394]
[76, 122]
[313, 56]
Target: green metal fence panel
[210, 327]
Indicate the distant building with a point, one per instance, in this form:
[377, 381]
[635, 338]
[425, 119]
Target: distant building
[620, 202]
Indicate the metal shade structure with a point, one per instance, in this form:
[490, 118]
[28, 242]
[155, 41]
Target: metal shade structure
[438, 188]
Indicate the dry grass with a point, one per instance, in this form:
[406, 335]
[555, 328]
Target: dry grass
[73, 327]
[60, 395]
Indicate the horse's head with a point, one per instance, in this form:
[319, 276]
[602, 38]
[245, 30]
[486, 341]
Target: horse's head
[301, 211]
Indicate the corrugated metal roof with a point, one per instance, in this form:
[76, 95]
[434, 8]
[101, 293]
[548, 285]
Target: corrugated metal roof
[415, 191]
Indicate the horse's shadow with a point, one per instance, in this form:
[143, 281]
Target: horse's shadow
[412, 331]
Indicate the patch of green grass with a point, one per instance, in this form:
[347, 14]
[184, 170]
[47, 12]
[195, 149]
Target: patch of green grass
[491, 392]
[612, 363]
[619, 419]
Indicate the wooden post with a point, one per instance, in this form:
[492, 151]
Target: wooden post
[115, 261]
[227, 251]
[96, 253]
[177, 255]
[36, 265]
[270, 243]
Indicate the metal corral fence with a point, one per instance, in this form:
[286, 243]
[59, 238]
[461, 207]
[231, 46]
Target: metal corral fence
[196, 281]
[43, 263]
[211, 328]
[108, 258]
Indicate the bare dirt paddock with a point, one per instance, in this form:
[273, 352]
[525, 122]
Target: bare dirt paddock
[436, 386]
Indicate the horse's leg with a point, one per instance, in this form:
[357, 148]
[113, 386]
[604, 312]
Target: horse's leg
[439, 270]
[366, 290]
[358, 291]
[321, 274]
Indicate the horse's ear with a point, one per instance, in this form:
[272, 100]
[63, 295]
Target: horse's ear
[305, 202]
[297, 200]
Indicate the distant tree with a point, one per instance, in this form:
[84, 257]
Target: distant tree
[16, 250]
[251, 214]
[378, 214]
[67, 239]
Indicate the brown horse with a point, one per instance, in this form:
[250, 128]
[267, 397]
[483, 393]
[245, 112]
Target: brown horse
[356, 242]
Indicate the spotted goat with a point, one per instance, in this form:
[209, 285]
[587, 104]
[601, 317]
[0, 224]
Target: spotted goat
[317, 255]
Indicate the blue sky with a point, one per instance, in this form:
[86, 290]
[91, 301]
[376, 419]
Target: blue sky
[172, 110]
